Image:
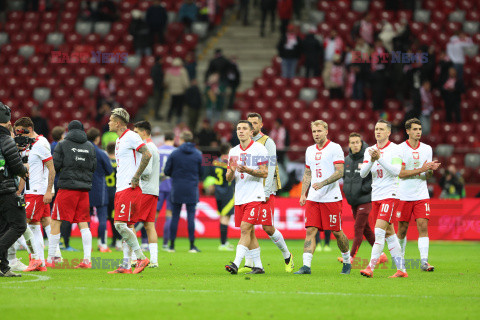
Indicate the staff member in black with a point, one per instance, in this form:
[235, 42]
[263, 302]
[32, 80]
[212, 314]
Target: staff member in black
[358, 192]
[13, 219]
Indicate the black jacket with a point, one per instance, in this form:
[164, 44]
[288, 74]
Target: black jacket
[357, 190]
[218, 65]
[13, 162]
[184, 165]
[141, 34]
[312, 49]
[293, 53]
[75, 161]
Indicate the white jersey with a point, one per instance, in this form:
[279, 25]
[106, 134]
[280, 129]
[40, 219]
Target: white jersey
[150, 179]
[127, 157]
[414, 188]
[384, 184]
[247, 187]
[322, 164]
[38, 155]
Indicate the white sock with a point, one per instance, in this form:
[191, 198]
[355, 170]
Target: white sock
[48, 229]
[12, 254]
[134, 255]
[395, 252]
[346, 257]
[130, 238]
[240, 254]
[30, 243]
[257, 261]
[87, 244]
[377, 248]
[403, 244]
[54, 240]
[153, 247]
[127, 254]
[423, 244]
[22, 242]
[249, 259]
[307, 259]
[277, 238]
[38, 241]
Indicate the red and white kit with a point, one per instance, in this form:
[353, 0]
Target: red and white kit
[127, 200]
[249, 193]
[38, 155]
[413, 191]
[324, 206]
[384, 184]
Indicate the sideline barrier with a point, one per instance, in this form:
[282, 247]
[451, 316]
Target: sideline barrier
[450, 220]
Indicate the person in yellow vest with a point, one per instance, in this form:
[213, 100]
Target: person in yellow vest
[271, 185]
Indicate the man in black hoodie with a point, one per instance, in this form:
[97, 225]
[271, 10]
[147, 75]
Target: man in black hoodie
[358, 192]
[13, 221]
[75, 160]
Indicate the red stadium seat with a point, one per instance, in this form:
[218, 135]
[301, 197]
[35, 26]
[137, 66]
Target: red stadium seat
[15, 16]
[326, 116]
[297, 106]
[190, 41]
[73, 82]
[119, 29]
[336, 105]
[61, 93]
[72, 6]
[438, 17]
[52, 83]
[417, 27]
[49, 27]
[121, 72]
[30, 26]
[12, 27]
[148, 61]
[280, 105]
[466, 5]
[142, 73]
[297, 83]
[179, 50]
[4, 93]
[50, 106]
[92, 39]
[287, 116]
[18, 38]
[9, 49]
[16, 61]
[289, 94]
[22, 93]
[24, 71]
[279, 84]
[318, 106]
[6, 71]
[48, 16]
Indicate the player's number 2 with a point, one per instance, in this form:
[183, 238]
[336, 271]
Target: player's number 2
[123, 208]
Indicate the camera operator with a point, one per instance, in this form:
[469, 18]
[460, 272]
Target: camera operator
[12, 207]
[39, 186]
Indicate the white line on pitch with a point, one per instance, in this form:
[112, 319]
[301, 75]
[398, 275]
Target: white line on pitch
[38, 278]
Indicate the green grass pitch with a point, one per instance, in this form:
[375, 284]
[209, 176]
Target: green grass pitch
[196, 286]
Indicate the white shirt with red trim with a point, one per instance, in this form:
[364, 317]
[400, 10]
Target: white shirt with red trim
[247, 187]
[128, 158]
[38, 155]
[150, 179]
[384, 184]
[322, 164]
[414, 188]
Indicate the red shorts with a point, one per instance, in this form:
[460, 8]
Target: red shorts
[35, 207]
[148, 208]
[420, 210]
[324, 215]
[384, 210]
[127, 205]
[250, 212]
[72, 206]
[267, 210]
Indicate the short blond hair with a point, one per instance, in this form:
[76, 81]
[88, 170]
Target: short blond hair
[318, 123]
[122, 114]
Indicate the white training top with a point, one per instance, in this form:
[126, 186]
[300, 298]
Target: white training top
[128, 158]
[247, 187]
[322, 164]
[38, 155]
[414, 188]
[150, 179]
[384, 182]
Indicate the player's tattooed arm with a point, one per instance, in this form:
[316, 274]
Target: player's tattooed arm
[261, 172]
[146, 156]
[339, 169]
[307, 178]
[47, 198]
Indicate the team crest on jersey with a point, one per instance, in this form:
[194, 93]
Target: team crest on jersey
[416, 155]
[318, 156]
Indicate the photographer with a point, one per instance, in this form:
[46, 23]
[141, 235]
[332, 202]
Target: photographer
[12, 207]
[452, 184]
